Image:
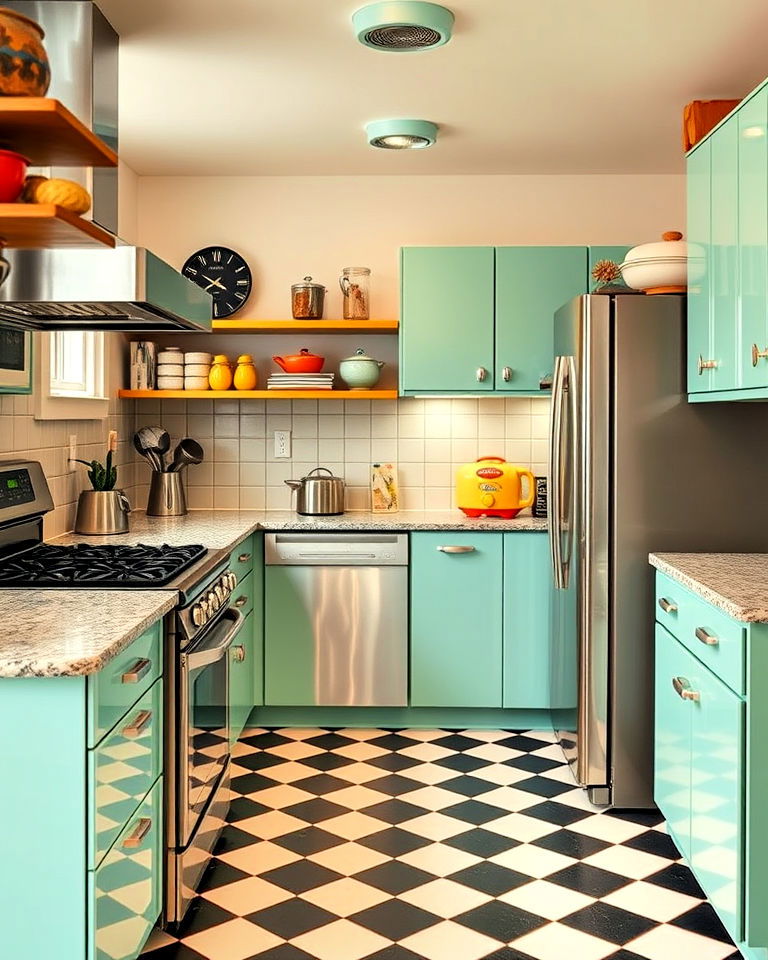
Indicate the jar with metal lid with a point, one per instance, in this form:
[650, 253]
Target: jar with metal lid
[355, 285]
[307, 299]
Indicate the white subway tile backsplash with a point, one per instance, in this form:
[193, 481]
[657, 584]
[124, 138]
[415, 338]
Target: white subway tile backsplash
[250, 426]
[383, 451]
[330, 425]
[437, 450]
[253, 450]
[410, 451]
[517, 427]
[226, 474]
[225, 425]
[357, 450]
[330, 449]
[383, 426]
[464, 426]
[357, 427]
[490, 427]
[305, 449]
[305, 425]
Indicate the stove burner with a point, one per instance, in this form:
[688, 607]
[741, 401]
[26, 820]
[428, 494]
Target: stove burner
[88, 565]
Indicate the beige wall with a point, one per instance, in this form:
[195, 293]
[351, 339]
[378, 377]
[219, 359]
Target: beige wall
[288, 227]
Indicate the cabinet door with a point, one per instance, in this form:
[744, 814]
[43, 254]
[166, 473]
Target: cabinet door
[531, 284]
[526, 620]
[753, 239]
[257, 629]
[456, 619]
[446, 333]
[672, 738]
[699, 185]
[241, 678]
[717, 795]
[725, 268]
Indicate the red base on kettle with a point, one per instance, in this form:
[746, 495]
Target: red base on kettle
[490, 512]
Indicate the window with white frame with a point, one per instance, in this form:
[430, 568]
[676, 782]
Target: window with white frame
[77, 364]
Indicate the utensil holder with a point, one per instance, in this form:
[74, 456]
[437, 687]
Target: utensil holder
[102, 512]
[166, 496]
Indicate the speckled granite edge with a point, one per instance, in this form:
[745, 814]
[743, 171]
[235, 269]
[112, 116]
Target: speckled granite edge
[736, 583]
[73, 633]
[415, 520]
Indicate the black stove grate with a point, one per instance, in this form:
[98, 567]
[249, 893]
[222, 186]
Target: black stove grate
[89, 565]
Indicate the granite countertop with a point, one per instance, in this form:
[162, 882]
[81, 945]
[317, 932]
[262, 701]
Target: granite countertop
[277, 520]
[736, 583]
[69, 633]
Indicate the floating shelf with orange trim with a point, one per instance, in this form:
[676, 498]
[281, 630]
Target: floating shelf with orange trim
[307, 326]
[48, 134]
[41, 225]
[258, 394]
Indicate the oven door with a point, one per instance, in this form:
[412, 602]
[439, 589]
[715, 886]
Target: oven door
[203, 740]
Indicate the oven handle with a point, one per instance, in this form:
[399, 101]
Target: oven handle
[215, 647]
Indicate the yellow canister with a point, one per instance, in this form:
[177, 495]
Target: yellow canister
[220, 377]
[246, 377]
[491, 487]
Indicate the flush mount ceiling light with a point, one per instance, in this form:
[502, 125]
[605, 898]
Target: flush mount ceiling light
[401, 134]
[403, 26]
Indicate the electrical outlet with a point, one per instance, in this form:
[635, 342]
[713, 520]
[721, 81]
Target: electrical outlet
[71, 465]
[282, 444]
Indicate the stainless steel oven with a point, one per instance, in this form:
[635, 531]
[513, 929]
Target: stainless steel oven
[197, 734]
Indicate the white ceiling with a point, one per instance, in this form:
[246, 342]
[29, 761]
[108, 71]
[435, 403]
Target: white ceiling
[282, 87]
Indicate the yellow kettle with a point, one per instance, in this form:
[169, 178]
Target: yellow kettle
[491, 487]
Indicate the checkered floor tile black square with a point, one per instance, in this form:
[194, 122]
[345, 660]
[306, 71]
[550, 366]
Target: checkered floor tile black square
[435, 845]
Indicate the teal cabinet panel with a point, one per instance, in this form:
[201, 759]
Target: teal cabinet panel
[43, 886]
[242, 557]
[672, 738]
[122, 769]
[456, 620]
[126, 888]
[753, 239]
[699, 201]
[257, 628]
[615, 253]
[717, 795]
[289, 655]
[531, 284]
[241, 678]
[242, 595]
[526, 612]
[113, 690]
[447, 319]
[725, 263]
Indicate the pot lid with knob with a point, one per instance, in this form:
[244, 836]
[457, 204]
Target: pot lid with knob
[672, 247]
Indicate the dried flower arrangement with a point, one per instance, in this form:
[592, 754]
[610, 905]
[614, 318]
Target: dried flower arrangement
[605, 272]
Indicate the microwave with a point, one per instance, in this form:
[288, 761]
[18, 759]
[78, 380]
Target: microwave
[15, 361]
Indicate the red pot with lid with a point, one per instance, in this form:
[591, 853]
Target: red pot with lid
[301, 362]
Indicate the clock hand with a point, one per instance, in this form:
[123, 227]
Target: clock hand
[214, 283]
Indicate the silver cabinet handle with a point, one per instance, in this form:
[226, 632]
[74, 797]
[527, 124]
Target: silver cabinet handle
[480, 374]
[706, 365]
[758, 354]
[239, 653]
[134, 839]
[241, 601]
[140, 669]
[140, 723]
[710, 639]
[244, 558]
[456, 549]
[667, 606]
[506, 374]
[683, 689]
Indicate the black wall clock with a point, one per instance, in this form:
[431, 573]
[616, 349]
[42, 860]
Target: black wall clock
[222, 273]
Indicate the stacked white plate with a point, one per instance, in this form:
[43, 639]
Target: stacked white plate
[197, 366]
[170, 369]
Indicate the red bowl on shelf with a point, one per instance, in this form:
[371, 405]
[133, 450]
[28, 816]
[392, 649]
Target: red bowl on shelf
[13, 170]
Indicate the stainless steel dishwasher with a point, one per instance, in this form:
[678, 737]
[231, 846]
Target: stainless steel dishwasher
[336, 619]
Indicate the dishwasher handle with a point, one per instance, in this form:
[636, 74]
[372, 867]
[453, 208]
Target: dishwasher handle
[337, 556]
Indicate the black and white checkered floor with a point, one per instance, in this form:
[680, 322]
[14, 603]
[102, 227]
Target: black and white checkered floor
[435, 845]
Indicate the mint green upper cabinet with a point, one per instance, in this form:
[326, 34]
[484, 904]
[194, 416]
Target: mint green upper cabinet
[531, 284]
[753, 239]
[447, 323]
[526, 621]
[699, 183]
[724, 240]
[456, 620]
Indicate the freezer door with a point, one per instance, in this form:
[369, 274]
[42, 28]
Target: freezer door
[579, 531]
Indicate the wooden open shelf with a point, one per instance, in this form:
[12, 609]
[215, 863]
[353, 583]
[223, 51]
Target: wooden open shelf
[307, 326]
[50, 135]
[258, 394]
[45, 225]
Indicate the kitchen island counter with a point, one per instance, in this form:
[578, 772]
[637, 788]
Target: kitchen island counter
[736, 583]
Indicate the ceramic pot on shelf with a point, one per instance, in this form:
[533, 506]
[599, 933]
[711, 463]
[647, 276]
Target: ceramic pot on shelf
[301, 362]
[246, 377]
[220, 377]
[360, 372]
[24, 67]
[664, 267]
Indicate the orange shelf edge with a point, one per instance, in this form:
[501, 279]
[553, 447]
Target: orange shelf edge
[316, 326]
[258, 394]
[39, 225]
[49, 134]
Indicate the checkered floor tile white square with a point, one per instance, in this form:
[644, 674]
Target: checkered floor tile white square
[434, 845]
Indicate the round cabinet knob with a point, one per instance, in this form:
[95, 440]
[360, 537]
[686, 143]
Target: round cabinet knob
[488, 499]
[213, 602]
[198, 616]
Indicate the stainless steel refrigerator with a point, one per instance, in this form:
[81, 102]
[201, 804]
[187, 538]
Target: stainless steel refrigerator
[634, 468]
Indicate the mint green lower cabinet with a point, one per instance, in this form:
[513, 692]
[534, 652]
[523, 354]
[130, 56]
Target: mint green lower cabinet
[526, 679]
[257, 628]
[241, 678]
[531, 284]
[456, 620]
[126, 888]
[289, 655]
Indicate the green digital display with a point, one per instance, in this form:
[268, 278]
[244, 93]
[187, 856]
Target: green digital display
[12, 484]
[15, 488]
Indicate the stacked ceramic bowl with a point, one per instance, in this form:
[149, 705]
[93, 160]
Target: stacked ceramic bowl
[664, 267]
[170, 369]
[197, 366]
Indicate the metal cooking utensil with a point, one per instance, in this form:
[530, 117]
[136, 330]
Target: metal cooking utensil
[187, 452]
[154, 442]
[149, 455]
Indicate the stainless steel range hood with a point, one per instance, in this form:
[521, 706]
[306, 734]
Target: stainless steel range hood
[125, 289]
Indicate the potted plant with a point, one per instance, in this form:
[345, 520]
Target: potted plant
[103, 509]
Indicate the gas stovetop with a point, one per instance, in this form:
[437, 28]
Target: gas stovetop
[88, 565]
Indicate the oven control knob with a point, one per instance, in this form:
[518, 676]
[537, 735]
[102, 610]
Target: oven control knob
[213, 602]
[220, 592]
[231, 579]
[198, 615]
[224, 584]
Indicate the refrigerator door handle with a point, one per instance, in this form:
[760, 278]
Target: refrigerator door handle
[570, 405]
[555, 468]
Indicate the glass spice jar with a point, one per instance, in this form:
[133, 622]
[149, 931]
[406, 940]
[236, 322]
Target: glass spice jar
[307, 300]
[355, 285]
